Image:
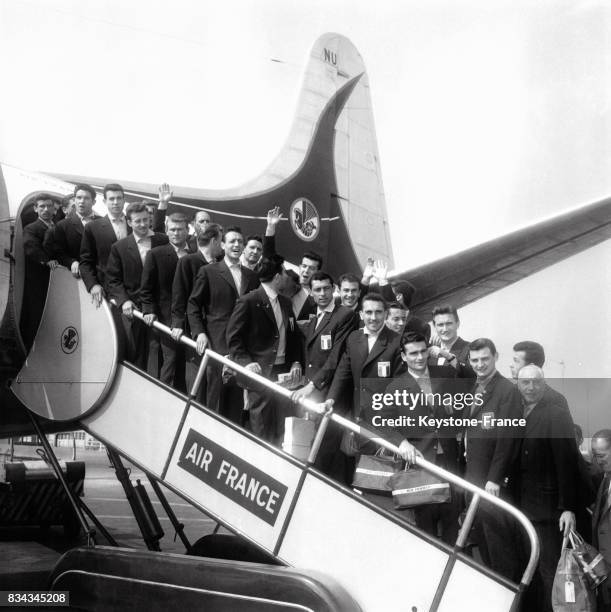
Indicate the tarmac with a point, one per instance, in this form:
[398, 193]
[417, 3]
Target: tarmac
[30, 553]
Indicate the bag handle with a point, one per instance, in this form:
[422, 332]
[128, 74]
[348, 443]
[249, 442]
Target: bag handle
[576, 539]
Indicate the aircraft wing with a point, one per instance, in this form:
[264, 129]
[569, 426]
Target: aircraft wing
[471, 274]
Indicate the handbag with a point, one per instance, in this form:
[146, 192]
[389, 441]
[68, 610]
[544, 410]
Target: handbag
[416, 487]
[571, 591]
[590, 560]
[373, 471]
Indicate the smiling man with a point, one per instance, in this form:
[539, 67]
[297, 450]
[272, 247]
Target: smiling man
[98, 238]
[489, 453]
[124, 276]
[546, 479]
[372, 356]
[215, 292]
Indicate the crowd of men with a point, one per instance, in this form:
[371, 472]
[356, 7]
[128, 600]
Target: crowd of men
[330, 339]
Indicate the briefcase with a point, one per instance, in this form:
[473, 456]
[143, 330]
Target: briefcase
[373, 471]
[416, 487]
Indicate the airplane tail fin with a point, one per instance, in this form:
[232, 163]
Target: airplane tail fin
[334, 125]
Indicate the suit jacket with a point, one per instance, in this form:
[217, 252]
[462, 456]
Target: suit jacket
[212, 301]
[33, 243]
[252, 332]
[124, 269]
[182, 286]
[546, 479]
[364, 373]
[157, 277]
[425, 438]
[64, 242]
[601, 530]
[492, 450]
[36, 272]
[322, 360]
[98, 238]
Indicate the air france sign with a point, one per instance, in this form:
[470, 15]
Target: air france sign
[233, 477]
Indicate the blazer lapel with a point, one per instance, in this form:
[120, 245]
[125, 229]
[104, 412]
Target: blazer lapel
[244, 282]
[267, 306]
[134, 253]
[77, 224]
[313, 330]
[228, 276]
[377, 348]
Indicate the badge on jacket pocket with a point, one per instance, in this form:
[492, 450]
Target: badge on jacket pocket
[383, 369]
[325, 342]
[487, 420]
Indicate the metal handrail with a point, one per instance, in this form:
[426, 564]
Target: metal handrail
[324, 409]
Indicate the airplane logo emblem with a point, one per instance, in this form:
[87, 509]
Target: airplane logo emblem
[305, 219]
[69, 340]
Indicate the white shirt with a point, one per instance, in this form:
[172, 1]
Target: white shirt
[371, 338]
[273, 298]
[85, 220]
[180, 251]
[144, 244]
[320, 313]
[236, 272]
[120, 226]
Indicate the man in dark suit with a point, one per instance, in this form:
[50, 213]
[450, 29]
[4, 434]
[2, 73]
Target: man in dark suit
[156, 291]
[124, 277]
[208, 250]
[453, 350]
[37, 266]
[303, 304]
[215, 292]
[372, 356]
[262, 335]
[601, 517]
[490, 451]
[98, 238]
[438, 445]
[325, 339]
[65, 241]
[546, 479]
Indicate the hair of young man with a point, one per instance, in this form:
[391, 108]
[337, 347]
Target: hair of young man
[603, 434]
[113, 187]
[348, 277]
[254, 237]
[533, 352]
[214, 230]
[43, 197]
[176, 217]
[397, 306]
[321, 276]
[135, 208]
[232, 228]
[406, 289]
[314, 257]
[269, 267]
[446, 309]
[375, 297]
[84, 187]
[482, 343]
[411, 338]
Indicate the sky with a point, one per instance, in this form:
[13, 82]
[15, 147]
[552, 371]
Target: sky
[490, 114]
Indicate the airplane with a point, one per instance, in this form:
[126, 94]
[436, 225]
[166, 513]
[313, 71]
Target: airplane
[327, 181]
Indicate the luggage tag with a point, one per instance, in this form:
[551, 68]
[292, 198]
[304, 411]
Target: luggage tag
[325, 342]
[569, 592]
[383, 369]
[487, 420]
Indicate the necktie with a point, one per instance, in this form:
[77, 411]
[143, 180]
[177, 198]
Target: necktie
[277, 313]
[319, 318]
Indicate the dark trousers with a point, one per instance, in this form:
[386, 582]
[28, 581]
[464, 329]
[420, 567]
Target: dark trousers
[267, 410]
[538, 596]
[137, 339]
[441, 520]
[495, 534]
